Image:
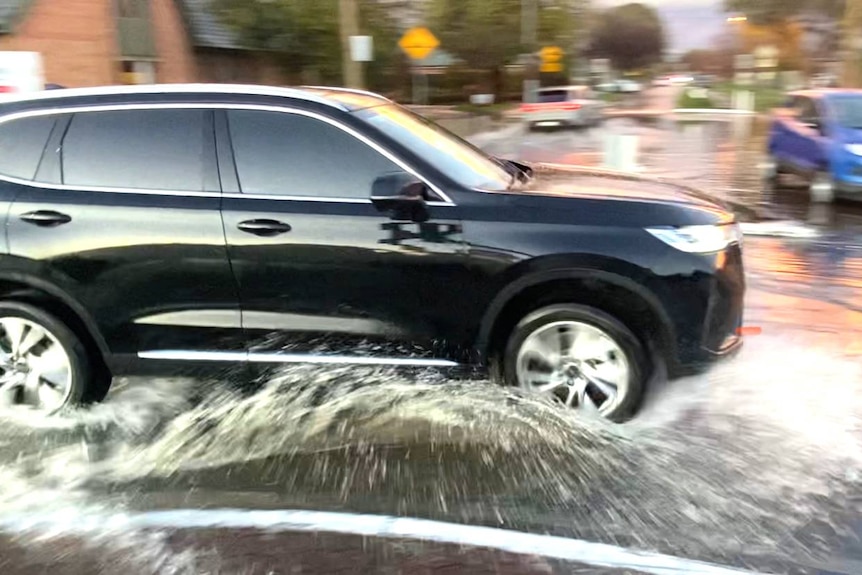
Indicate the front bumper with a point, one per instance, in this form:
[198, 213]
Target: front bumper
[847, 173]
[705, 303]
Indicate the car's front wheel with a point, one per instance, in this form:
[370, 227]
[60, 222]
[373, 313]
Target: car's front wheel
[581, 355]
[44, 366]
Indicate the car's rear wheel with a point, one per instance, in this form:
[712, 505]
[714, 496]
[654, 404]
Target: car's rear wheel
[44, 366]
[580, 355]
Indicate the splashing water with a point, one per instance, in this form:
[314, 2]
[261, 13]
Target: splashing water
[736, 461]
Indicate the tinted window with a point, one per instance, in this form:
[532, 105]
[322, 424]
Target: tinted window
[546, 96]
[808, 110]
[288, 154]
[143, 149]
[22, 143]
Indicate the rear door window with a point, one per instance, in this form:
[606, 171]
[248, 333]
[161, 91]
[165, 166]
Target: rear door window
[158, 149]
[22, 143]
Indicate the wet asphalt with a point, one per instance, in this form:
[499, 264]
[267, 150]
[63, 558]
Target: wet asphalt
[755, 464]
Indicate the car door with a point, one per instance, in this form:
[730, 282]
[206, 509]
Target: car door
[782, 131]
[806, 139]
[321, 268]
[124, 220]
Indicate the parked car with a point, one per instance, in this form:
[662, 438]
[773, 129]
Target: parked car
[151, 228]
[563, 106]
[621, 86]
[817, 134]
[681, 79]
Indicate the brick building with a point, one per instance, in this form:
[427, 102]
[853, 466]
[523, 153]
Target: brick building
[97, 42]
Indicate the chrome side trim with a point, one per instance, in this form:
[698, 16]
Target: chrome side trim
[257, 357]
[196, 106]
[241, 89]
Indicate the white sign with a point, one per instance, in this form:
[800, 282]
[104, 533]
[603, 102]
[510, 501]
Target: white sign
[362, 48]
[21, 72]
[600, 65]
[767, 56]
[743, 62]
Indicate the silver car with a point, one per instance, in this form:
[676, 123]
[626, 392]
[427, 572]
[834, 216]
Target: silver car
[563, 106]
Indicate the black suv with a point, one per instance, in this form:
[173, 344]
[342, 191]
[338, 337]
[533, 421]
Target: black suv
[148, 227]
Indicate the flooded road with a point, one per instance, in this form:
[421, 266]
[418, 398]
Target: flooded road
[755, 464]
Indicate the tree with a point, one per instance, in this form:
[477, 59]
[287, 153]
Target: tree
[486, 34]
[803, 30]
[716, 61]
[784, 35]
[632, 36]
[302, 36]
[763, 12]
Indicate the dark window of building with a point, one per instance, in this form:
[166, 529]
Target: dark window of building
[289, 154]
[142, 149]
[22, 143]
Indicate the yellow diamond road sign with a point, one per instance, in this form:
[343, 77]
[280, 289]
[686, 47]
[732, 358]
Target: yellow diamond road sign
[418, 43]
[552, 59]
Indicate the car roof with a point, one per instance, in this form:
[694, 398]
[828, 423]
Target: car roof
[341, 98]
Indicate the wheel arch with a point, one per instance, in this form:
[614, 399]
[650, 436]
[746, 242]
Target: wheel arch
[26, 288]
[642, 312]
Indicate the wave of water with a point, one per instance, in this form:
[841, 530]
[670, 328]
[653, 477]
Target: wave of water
[754, 458]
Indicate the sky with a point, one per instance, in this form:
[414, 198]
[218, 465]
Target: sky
[690, 23]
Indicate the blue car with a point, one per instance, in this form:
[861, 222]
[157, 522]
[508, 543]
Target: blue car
[817, 134]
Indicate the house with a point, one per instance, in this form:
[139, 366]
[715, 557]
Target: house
[98, 42]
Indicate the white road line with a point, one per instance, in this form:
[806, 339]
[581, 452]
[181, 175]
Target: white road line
[584, 552]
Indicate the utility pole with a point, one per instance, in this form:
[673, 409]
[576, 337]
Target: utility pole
[348, 15]
[529, 38]
[851, 44]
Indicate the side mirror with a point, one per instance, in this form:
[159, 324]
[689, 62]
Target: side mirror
[402, 195]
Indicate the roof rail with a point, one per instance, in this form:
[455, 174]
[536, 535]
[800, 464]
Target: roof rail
[249, 89]
[348, 91]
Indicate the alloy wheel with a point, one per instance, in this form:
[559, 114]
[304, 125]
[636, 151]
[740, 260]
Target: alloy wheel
[35, 368]
[576, 362]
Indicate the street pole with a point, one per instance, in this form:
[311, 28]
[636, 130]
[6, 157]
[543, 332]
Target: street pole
[851, 73]
[529, 33]
[348, 15]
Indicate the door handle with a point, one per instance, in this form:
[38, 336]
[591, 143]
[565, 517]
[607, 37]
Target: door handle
[264, 227]
[46, 218]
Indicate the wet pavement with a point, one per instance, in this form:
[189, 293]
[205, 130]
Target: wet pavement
[755, 464]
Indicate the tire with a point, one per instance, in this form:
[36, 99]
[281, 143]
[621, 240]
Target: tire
[575, 375]
[25, 379]
[822, 187]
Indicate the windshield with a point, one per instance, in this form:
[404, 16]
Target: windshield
[459, 160]
[848, 111]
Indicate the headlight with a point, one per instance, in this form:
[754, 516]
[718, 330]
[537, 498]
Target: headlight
[855, 149]
[699, 239]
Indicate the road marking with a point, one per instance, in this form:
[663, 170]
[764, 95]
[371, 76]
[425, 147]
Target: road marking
[575, 550]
